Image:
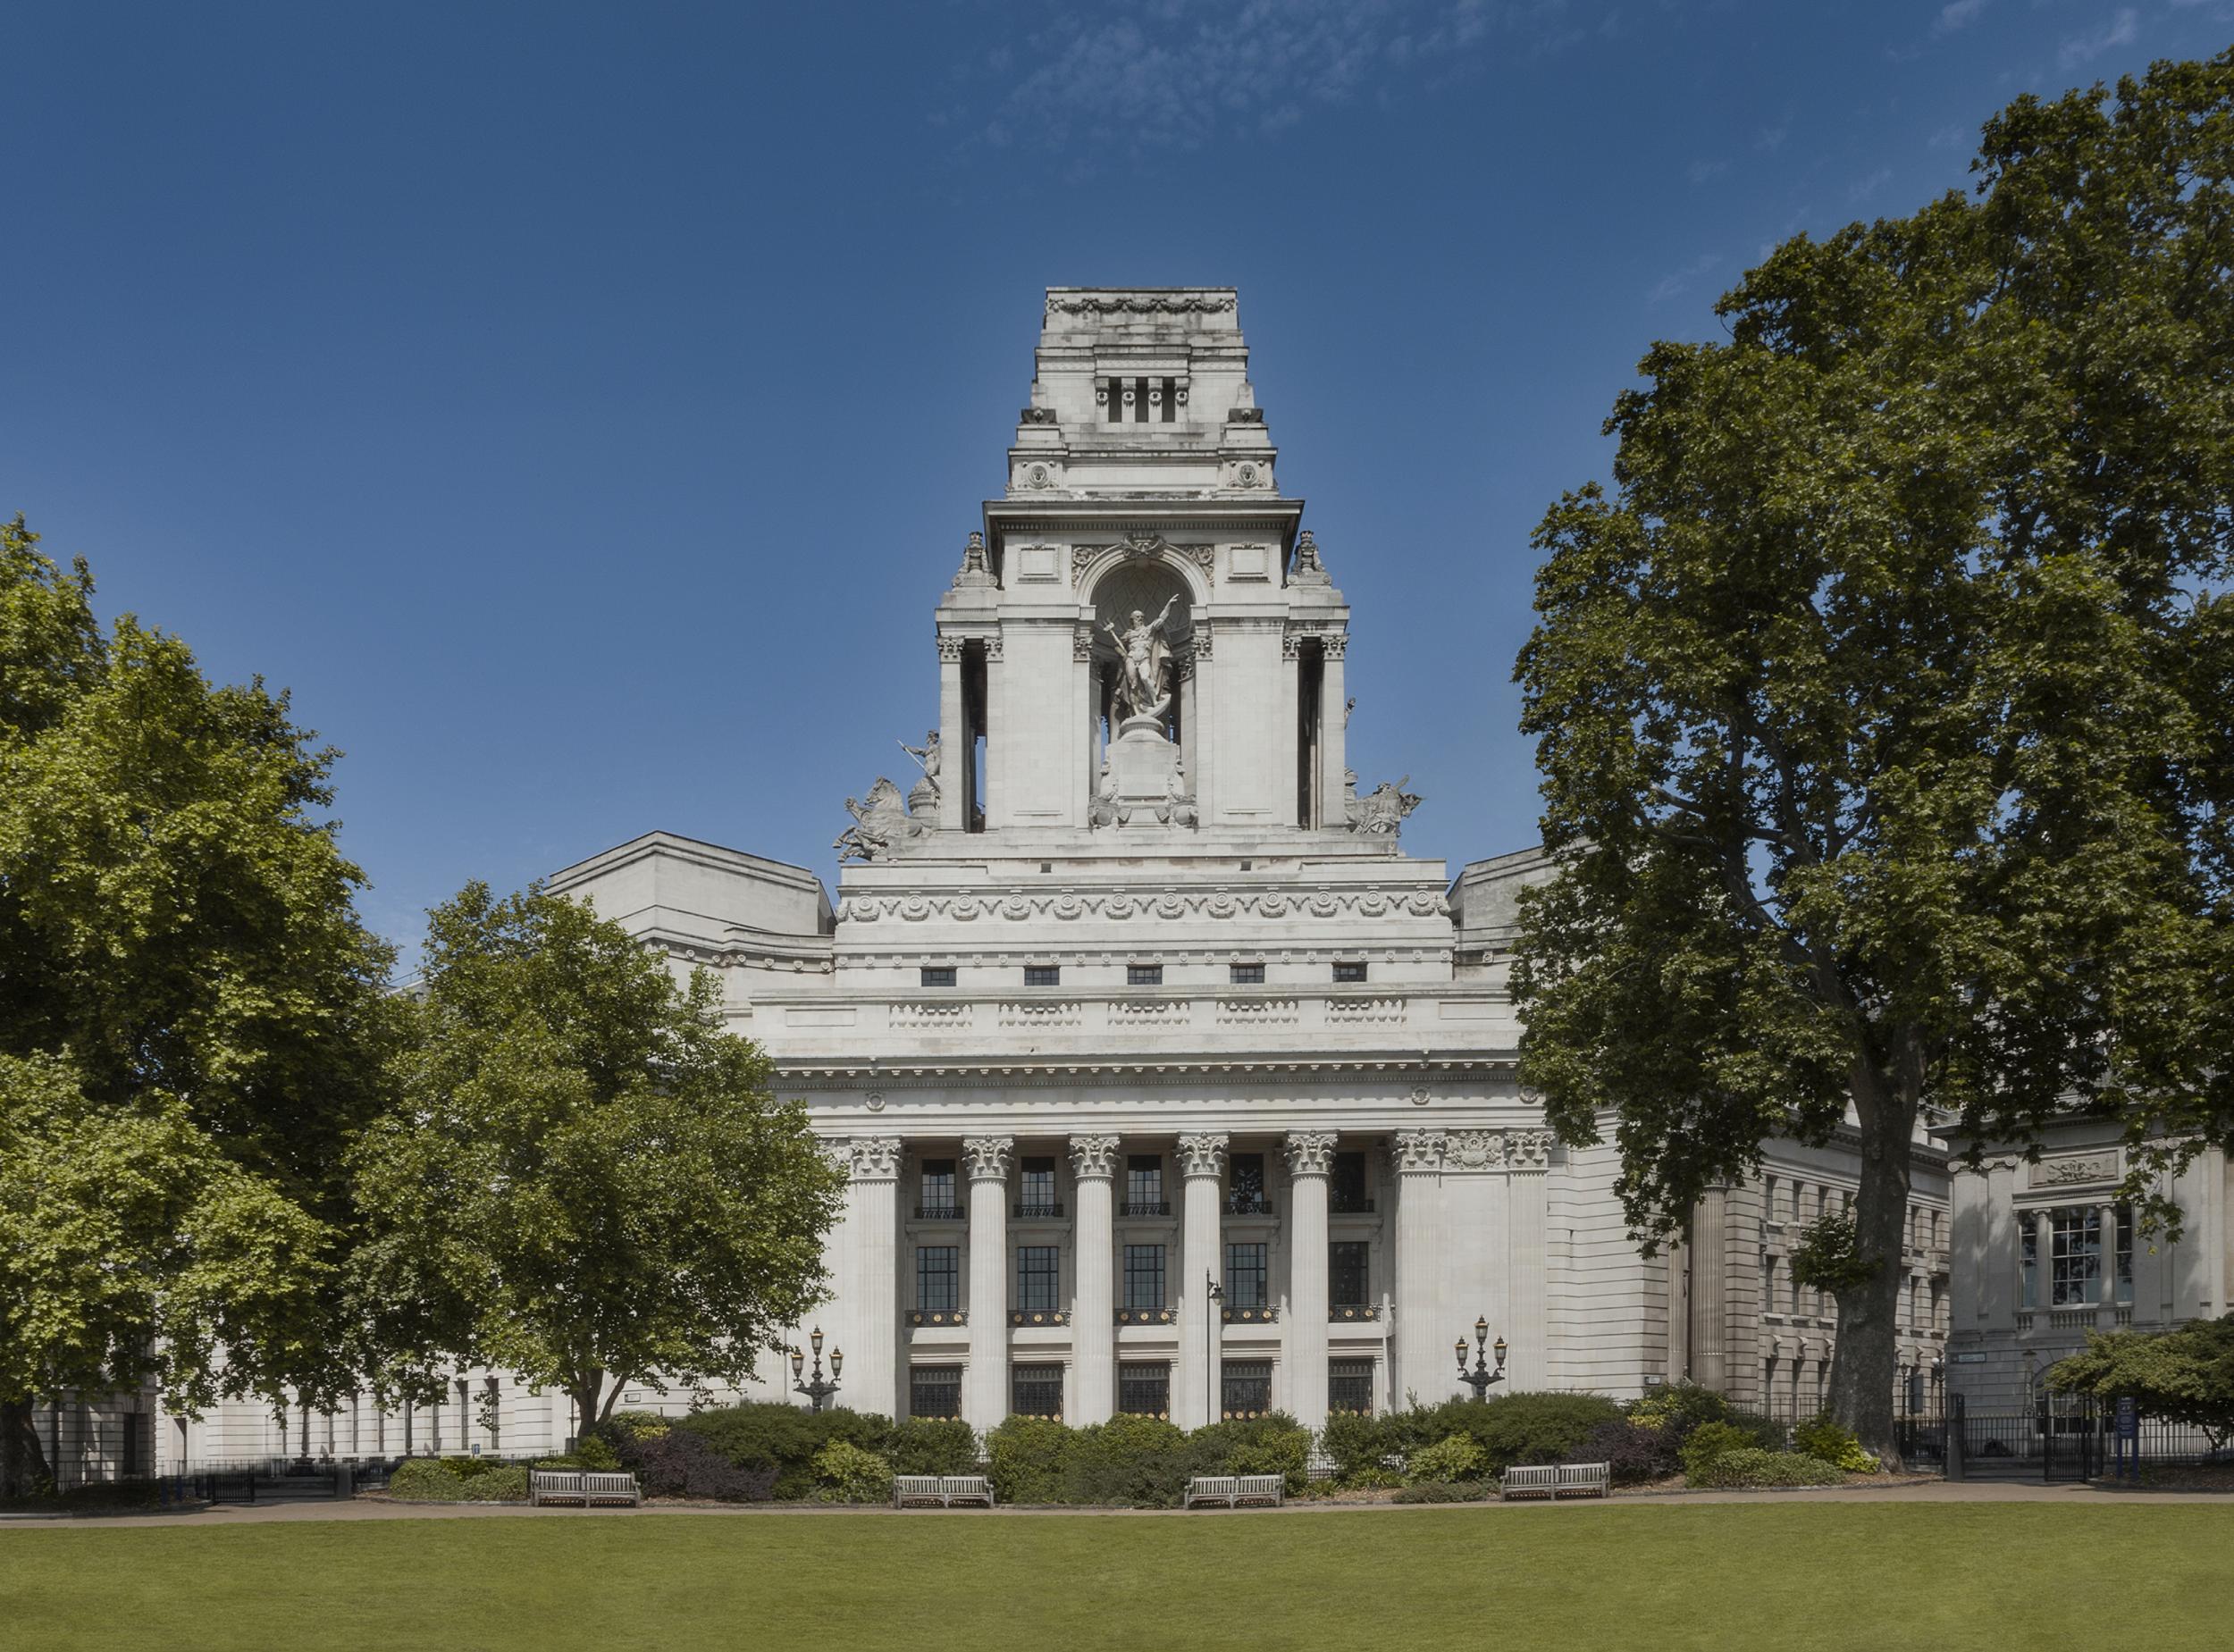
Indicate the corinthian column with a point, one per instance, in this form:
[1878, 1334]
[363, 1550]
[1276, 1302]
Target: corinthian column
[1202, 1163]
[985, 1393]
[1093, 1395]
[1310, 1158]
[1420, 1328]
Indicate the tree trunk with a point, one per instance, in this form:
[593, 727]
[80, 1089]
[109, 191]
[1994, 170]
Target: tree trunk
[24, 1471]
[1866, 1359]
[586, 1390]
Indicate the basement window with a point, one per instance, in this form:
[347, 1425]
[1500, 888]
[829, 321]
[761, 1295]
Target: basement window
[938, 974]
[1144, 975]
[1043, 975]
[1349, 969]
[1246, 975]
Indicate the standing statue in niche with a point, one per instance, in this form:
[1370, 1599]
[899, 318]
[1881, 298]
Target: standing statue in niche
[1148, 658]
[924, 795]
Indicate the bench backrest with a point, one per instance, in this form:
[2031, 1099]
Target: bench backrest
[555, 1479]
[1585, 1473]
[609, 1485]
[918, 1484]
[1214, 1485]
[964, 1485]
[1256, 1485]
[1545, 1474]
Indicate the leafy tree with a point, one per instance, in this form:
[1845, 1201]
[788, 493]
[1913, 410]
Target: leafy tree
[191, 1020]
[1882, 708]
[586, 1180]
[2185, 1375]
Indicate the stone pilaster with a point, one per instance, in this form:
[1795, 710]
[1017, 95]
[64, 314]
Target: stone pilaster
[1423, 1368]
[1201, 1161]
[985, 1388]
[1528, 1163]
[1310, 1161]
[868, 1325]
[1093, 1395]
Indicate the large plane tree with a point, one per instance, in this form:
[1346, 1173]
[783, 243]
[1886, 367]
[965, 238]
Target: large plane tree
[1883, 706]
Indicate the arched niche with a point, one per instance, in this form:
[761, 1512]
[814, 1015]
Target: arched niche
[1138, 586]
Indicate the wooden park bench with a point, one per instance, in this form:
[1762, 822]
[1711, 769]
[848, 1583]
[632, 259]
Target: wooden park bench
[581, 1490]
[1586, 1480]
[941, 1490]
[611, 1488]
[1234, 1491]
[1536, 1480]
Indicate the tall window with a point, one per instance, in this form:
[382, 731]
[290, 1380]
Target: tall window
[1768, 1197]
[1144, 1276]
[1036, 1391]
[1249, 1389]
[1346, 1274]
[1246, 1176]
[2124, 1285]
[1038, 1279]
[937, 1278]
[938, 1194]
[1345, 1189]
[1768, 1284]
[1349, 1386]
[2074, 1257]
[934, 1391]
[1144, 1390]
[1036, 1189]
[1144, 1184]
[1245, 1277]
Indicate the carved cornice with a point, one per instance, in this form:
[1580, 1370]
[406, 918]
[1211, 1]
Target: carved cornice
[1419, 1152]
[1203, 1155]
[1120, 906]
[873, 1157]
[1139, 547]
[1310, 1153]
[1093, 1156]
[988, 1157]
[1138, 303]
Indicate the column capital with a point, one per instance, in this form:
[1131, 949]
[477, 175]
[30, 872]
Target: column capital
[868, 1158]
[988, 1157]
[1419, 1152]
[1529, 1150]
[1093, 1156]
[1310, 1153]
[1203, 1155]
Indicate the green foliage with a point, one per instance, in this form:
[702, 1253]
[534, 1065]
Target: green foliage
[1710, 1440]
[1026, 1458]
[594, 1452]
[587, 1181]
[1632, 1454]
[1752, 1468]
[1883, 711]
[1454, 1458]
[846, 1473]
[1828, 1255]
[785, 1438]
[638, 1424]
[1677, 1408]
[1825, 1441]
[934, 1446]
[2185, 1375]
[1127, 1462]
[1443, 1491]
[191, 1017]
[1512, 1429]
[458, 1480]
[1275, 1443]
[1359, 1445]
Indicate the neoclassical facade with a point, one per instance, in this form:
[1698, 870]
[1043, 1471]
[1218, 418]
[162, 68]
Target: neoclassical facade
[1166, 1080]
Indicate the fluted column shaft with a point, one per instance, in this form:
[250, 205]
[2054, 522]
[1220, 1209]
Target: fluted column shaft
[1092, 1388]
[1310, 1160]
[1202, 1165]
[985, 1390]
[867, 1314]
[1422, 1356]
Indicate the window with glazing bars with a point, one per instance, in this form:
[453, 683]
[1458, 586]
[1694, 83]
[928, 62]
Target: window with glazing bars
[1043, 975]
[1349, 969]
[1036, 1188]
[1245, 1178]
[1346, 1188]
[1036, 1391]
[1038, 1277]
[1349, 1386]
[1245, 1275]
[1248, 1386]
[1143, 1276]
[937, 1278]
[1144, 975]
[1346, 1275]
[2074, 1257]
[938, 974]
[934, 1391]
[1246, 975]
[937, 1190]
[1144, 1184]
[1144, 1390]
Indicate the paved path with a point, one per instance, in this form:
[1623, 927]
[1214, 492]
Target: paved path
[373, 1508]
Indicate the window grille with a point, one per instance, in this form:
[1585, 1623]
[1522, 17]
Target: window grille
[934, 1391]
[1144, 1390]
[1349, 1386]
[1248, 1388]
[1036, 1391]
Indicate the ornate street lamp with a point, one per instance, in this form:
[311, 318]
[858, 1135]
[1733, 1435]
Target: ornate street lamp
[819, 1390]
[1480, 1377]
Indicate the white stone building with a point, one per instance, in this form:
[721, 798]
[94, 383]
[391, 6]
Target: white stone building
[1168, 1081]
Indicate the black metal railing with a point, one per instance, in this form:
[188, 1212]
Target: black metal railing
[1146, 1207]
[1248, 1204]
[1250, 1316]
[937, 1316]
[1038, 1316]
[1351, 1205]
[941, 1213]
[1037, 1210]
[1145, 1316]
[1343, 1312]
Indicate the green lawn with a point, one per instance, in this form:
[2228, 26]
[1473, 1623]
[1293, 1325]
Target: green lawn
[1793, 1578]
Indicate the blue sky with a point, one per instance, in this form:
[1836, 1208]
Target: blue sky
[580, 408]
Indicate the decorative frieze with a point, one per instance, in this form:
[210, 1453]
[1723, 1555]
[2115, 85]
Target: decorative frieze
[1529, 1150]
[1368, 903]
[1104, 303]
[1310, 1153]
[2063, 1172]
[1475, 1149]
[1203, 1154]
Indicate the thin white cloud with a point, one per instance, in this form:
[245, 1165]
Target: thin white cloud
[1706, 172]
[1771, 137]
[2123, 27]
[1960, 14]
[1863, 189]
[1676, 283]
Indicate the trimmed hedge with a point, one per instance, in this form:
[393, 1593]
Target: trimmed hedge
[427, 1479]
[1137, 1462]
[1747, 1468]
